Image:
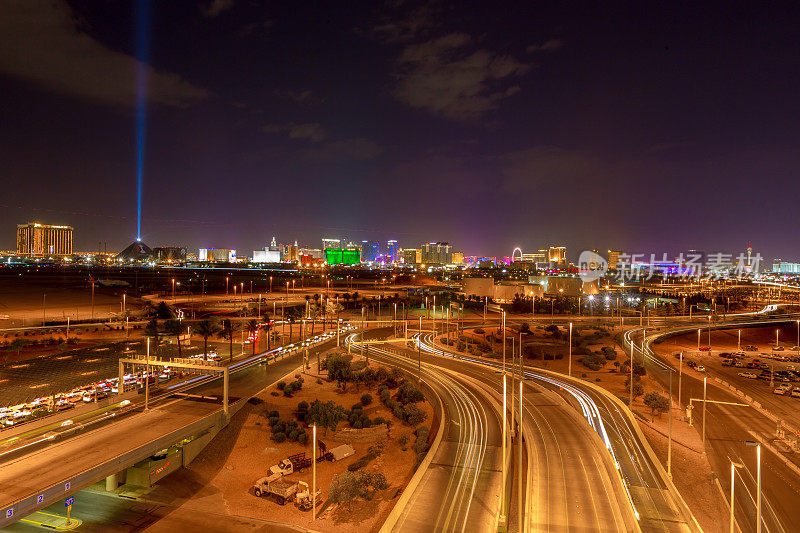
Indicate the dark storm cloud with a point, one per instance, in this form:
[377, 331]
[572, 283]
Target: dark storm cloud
[645, 125]
[547, 46]
[444, 76]
[216, 7]
[312, 131]
[355, 149]
[41, 42]
[403, 23]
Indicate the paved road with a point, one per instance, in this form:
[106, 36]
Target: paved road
[62, 460]
[103, 512]
[460, 491]
[576, 484]
[727, 430]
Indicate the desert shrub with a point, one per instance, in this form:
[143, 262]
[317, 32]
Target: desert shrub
[255, 401]
[443, 340]
[583, 375]
[293, 434]
[414, 415]
[378, 421]
[359, 463]
[281, 385]
[279, 437]
[409, 393]
[421, 444]
[366, 399]
[357, 424]
[403, 442]
[460, 346]
[303, 438]
[297, 376]
[273, 420]
[275, 393]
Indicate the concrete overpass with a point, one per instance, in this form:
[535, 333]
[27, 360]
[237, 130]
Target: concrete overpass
[119, 451]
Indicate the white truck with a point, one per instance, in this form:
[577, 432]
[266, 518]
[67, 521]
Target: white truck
[271, 485]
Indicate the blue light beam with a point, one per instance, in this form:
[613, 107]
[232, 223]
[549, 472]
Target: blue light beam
[142, 52]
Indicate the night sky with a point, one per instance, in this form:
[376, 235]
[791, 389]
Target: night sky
[642, 126]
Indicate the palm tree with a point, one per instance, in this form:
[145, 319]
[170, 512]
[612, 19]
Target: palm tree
[207, 328]
[227, 331]
[174, 327]
[252, 327]
[267, 326]
[315, 313]
[151, 331]
[291, 315]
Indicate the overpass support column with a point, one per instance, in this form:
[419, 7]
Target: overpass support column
[121, 382]
[225, 392]
[111, 483]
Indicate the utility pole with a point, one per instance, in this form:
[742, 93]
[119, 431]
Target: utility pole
[147, 378]
[419, 353]
[705, 382]
[570, 349]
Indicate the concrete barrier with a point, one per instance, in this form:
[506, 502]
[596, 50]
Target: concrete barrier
[399, 507]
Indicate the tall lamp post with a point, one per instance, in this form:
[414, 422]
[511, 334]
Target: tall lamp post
[570, 350]
[758, 482]
[734, 466]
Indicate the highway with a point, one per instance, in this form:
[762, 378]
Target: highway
[460, 490]
[640, 493]
[56, 461]
[728, 428]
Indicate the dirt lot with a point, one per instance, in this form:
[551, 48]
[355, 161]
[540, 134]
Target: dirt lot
[223, 474]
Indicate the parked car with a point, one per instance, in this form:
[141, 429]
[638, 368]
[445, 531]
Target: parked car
[691, 364]
[796, 392]
[783, 388]
[750, 348]
[705, 348]
[748, 375]
[700, 368]
[727, 362]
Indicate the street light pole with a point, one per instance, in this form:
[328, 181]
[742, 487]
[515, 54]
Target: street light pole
[314, 475]
[504, 353]
[733, 485]
[146, 378]
[698, 339]
[419, 352]
[669, 445]
[570, 350]
[519, 459]
[705, 383]
[630, 397]
[680, 378]
[758, 482]
[503, 490]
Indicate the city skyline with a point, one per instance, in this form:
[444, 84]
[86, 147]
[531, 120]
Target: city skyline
[586, 126]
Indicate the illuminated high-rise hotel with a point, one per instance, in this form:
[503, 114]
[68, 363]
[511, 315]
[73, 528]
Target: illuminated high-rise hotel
[34, 239]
